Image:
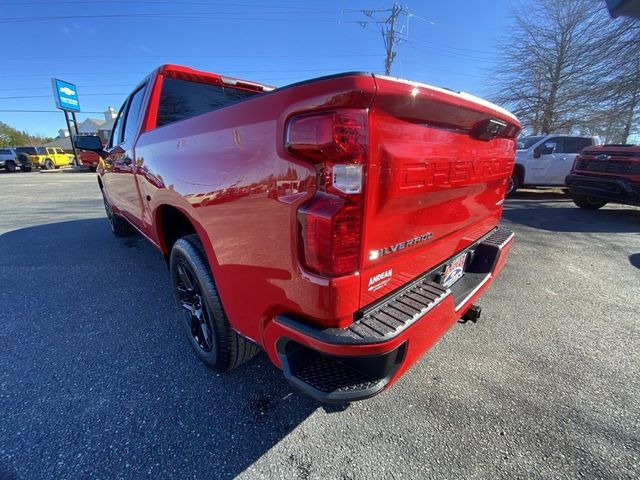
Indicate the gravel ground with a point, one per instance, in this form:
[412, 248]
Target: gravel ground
[97, 380]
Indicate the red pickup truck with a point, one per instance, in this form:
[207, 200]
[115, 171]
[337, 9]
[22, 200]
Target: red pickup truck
[605, 173]
[341, 224]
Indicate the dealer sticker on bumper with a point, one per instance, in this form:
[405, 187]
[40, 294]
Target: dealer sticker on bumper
[453, 271]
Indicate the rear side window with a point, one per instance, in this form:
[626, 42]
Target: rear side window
[134, 113]
[27, 150]
[5, 152]
[116, 133]
[182, 99]
[575, 145]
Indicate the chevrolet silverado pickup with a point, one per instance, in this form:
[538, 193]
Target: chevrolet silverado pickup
[606, 173]
[341, 224]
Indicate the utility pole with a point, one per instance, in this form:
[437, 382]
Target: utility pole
[391, 36]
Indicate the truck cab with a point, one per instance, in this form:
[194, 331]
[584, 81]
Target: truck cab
[545, 160]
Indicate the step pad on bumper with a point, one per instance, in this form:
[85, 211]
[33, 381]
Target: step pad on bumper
[386, 318]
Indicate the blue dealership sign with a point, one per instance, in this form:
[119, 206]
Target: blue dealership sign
[65, 95]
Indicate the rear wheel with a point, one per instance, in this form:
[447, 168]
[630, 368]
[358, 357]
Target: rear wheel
[10, 166]
[514, 184]
[48, 164]
[589, 203]
[119, 226]
[201, 314]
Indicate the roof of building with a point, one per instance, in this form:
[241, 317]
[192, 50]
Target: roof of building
[108, 125]
[63, 143]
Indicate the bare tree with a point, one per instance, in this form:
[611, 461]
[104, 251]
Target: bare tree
[567, 66]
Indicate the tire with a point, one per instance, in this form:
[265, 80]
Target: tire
[48, 164]
[588, 203]
[119, 226]
[10, 166]
[200, 310]
[25, 162]
[514, 184]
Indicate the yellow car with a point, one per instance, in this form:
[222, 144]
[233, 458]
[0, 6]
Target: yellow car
[47, 158]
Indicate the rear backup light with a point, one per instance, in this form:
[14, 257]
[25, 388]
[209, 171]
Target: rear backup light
[330, 223]
[347, 178]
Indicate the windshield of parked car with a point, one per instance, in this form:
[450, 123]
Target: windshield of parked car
[527, 142]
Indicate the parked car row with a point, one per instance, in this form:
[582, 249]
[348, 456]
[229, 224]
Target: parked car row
[593, 174]
[26, 158]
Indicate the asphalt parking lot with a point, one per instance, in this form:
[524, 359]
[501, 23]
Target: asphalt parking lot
[98, 381]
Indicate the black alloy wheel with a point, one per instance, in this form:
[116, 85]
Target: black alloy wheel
[194, 309]
[200, 310]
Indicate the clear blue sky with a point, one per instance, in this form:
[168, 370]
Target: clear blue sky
[106, 46]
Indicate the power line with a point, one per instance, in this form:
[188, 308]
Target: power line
[391, 35]
[40, 111]
[185, 15]
[53, 57]
[173, 4]
[458, 56]
[327, 69]
[49, 96]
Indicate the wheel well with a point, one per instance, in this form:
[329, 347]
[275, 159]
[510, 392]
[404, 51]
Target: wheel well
[173, 225]
[519, 171]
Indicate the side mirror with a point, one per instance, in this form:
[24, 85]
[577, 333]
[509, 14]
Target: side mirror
[91, 143]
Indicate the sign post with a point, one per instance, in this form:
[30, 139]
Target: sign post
[65, 95]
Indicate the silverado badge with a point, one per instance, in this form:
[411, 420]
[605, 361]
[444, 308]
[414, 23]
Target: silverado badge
[375, 254]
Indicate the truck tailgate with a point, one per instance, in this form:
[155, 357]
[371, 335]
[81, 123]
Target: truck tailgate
[435, 183]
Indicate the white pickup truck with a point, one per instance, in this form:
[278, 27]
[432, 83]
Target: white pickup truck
[545, 160]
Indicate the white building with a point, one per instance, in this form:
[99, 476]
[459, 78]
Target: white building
[89, 126]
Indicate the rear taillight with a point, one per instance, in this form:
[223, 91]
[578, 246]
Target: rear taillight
[330, 223]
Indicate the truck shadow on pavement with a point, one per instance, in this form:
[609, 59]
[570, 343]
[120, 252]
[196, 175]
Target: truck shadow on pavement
[565, 217]
[99, 377]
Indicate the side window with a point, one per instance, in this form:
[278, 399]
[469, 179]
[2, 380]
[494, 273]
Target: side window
[116, 133]
[182, 99]
[556, 143]
[576, 144]
[134, 114]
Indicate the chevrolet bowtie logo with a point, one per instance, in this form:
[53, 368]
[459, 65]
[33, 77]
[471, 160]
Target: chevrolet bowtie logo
[602, 156]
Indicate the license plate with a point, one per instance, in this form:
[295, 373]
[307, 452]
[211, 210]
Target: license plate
[453, 271]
